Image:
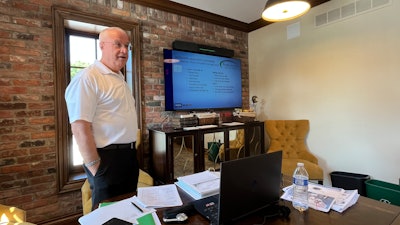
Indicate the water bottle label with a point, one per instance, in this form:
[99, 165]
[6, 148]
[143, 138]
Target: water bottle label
[302, 182]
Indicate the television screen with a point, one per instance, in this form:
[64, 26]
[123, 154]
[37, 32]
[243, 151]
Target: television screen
[195, 81]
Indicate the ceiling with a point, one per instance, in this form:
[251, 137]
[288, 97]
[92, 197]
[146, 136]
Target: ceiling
[243, 11]
[236, 14]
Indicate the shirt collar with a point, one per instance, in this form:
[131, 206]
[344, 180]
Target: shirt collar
[103, 69]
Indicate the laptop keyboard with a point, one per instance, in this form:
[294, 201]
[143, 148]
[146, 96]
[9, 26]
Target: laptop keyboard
[208, 207]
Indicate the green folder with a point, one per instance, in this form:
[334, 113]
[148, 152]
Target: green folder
[146, 220]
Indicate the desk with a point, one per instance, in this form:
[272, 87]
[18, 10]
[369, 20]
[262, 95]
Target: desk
[365, 212]
[162, 147]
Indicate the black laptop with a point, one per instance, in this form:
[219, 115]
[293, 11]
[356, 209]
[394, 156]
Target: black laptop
[248, 185]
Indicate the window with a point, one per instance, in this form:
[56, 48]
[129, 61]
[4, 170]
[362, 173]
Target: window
[72, 27]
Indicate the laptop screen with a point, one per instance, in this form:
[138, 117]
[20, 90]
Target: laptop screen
[248, 185]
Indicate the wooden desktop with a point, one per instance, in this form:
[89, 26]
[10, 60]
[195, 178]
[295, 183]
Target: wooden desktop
[365, 212]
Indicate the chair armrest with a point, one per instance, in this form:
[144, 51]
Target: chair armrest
[145, 179]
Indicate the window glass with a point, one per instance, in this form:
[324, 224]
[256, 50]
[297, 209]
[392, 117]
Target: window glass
[83, 52]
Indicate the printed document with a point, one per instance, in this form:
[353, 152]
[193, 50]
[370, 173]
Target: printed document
[125, 210]
[159, 196]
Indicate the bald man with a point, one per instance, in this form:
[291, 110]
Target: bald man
[103, 119]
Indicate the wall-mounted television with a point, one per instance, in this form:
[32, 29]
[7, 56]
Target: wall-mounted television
[195, 81]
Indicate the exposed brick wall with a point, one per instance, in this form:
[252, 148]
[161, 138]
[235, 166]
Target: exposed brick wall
[28, 170]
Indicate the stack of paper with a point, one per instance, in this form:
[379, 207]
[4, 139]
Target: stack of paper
[127, 210]
[200, 185]
[325, 198]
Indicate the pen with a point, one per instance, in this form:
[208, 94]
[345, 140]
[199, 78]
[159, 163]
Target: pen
[141, 210]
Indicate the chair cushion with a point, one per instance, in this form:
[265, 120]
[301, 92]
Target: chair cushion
[314, 171]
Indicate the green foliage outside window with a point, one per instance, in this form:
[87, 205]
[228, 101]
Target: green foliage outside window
[77, 66]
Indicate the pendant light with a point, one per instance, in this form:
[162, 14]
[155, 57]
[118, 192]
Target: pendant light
[282, 10]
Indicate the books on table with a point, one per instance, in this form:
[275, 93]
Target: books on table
[200, 185]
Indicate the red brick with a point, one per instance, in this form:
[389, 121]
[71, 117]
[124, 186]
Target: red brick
[16, 200]
[40, 106]
[7, 146]
[41, 135]
[35, 204]
[7, 194]
[12, 122]
[28, 128]
[41, 150]
[26, 67]
[14, 168]
[12, 153]
[44, 120]
[44, 180]
[13, 90]
[25, 7]
[27, 82]
[14, 137]
[6, 114]
[27, 52]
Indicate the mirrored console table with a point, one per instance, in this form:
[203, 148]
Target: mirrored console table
[167, 145]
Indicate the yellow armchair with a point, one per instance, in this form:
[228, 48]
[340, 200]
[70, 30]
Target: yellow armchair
[236, 147]
[11, 215]
[290, 137]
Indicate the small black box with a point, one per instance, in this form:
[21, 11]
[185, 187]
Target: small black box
[350, 181]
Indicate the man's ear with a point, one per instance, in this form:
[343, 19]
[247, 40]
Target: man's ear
[101, 45]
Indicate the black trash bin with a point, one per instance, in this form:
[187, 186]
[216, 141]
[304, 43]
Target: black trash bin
[350, 181]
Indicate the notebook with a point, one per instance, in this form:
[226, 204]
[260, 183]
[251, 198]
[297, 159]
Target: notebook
[248, 185]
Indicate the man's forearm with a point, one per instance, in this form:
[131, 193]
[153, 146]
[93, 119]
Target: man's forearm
[83, 134]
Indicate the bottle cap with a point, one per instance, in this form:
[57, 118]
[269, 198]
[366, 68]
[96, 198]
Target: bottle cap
[300, 164]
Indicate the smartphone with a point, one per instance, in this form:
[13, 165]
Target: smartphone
[116, 221]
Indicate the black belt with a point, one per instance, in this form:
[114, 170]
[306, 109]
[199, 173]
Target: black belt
[119, 146]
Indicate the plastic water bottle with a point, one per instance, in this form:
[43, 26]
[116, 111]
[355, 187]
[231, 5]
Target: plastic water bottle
[300, 188]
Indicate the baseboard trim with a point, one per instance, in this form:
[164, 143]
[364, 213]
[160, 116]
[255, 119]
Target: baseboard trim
[65, 220]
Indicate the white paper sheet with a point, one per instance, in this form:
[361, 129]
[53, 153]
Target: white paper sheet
[122, 210]
[159, 196]
[324, 198]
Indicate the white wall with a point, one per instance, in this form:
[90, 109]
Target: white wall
[345, 78]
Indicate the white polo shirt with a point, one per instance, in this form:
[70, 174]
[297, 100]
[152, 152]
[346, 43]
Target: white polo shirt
[102, 97]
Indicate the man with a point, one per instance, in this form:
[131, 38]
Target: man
[103, 119]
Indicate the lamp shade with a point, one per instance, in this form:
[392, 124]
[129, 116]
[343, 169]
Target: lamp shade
[281, 10]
